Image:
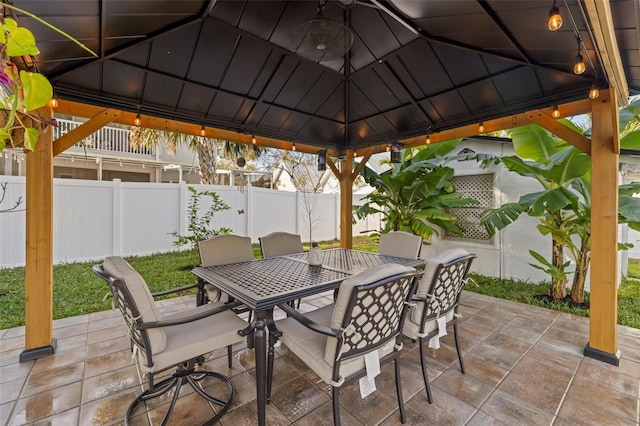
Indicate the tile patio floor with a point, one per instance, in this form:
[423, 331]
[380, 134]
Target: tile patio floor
[524, 366]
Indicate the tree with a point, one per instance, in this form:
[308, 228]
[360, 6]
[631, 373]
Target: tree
[199, 225]
[563, 208]
[207, 149]
[415, 196]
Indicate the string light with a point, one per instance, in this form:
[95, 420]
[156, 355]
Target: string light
[388, 147]
[428, 139]
[579, 67]
[594, 92]
[202, 131]
[54, 103]
[355, 154]
[253, 139]
[555, 20]
[137, 120]
[481, 126]
[556, 112]
[293, 147]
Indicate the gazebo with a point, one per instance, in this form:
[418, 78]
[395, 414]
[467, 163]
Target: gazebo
[345, 76]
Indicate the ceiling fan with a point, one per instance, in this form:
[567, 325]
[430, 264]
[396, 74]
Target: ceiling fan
[321, 39]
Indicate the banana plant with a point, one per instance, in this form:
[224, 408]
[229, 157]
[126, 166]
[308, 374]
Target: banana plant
[563, 207]
[415, 196]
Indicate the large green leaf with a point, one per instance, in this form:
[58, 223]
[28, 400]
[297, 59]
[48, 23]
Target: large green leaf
[496, 219]
[37, 90]
[534, 143]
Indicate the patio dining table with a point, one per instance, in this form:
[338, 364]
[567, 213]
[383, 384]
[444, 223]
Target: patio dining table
[265, 283]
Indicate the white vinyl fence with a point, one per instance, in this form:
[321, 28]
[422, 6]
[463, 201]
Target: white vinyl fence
[94, 219]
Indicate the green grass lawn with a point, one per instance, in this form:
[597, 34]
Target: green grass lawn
[77, 290]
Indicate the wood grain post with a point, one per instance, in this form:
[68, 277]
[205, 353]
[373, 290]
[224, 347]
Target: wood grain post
[603, 339]
[39, 341]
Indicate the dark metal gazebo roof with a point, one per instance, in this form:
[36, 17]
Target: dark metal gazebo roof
[416, 67]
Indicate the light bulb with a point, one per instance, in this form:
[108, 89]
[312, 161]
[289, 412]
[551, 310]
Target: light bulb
[579, 67]
[594, 92]
[293, 147]
[388, 148]
[253, 139]
[137, 120]
[54, 103]
[555, 20]
[428, 140]
[202, 131]
[556, 112]
[481, 127]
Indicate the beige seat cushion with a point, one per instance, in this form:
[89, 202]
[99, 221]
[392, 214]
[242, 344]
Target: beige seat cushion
[279, 244]
[400, 244]
[187, 341]
[411, 329]
[368, 276]
[119, 268]
[425, 283]
[310, 346]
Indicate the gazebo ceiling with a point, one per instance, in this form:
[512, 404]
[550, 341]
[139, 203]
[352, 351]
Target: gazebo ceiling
[416, 67]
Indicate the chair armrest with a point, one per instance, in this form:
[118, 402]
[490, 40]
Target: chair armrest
[311, 325]
[187, 319]
[174, 290]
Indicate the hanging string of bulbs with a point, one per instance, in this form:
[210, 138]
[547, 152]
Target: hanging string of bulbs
[554, 24]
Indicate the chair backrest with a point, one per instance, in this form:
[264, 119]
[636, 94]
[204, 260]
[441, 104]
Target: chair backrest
[223, 249]
[442, 283]
[131, 294]
[400, 244]
[279, 244]
[370, 307]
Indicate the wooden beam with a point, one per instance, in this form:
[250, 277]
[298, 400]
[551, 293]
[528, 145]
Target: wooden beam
[557, 128]
[516, 120]
[360, 166]
[603, 339]
[599, 12]
[335, 170]
[163, 124]
[85, 129]
[39, 339]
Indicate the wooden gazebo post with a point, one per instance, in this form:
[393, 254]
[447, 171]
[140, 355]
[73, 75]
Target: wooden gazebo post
[39, 339]
[605, 150]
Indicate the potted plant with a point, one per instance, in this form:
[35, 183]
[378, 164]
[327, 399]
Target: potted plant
[22, 92]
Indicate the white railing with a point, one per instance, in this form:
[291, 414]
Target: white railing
[112, 139]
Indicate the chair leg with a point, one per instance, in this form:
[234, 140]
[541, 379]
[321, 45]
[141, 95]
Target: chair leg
[229, 356]
[424, 372]
[403, 416]
[335, 392]
[455, 337]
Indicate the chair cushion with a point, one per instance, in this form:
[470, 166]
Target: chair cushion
[368, 276]
[190, 340]
[400, 244]
[310, 346]
[425, 283]
[279, 244]
[119, 268]
[411, 329]
[223, 249]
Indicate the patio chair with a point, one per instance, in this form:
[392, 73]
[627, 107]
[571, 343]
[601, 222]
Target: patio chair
[436, 304]
[280, 244]
[400, 244]
[178, 340]
[366, 318]
[219, 250]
